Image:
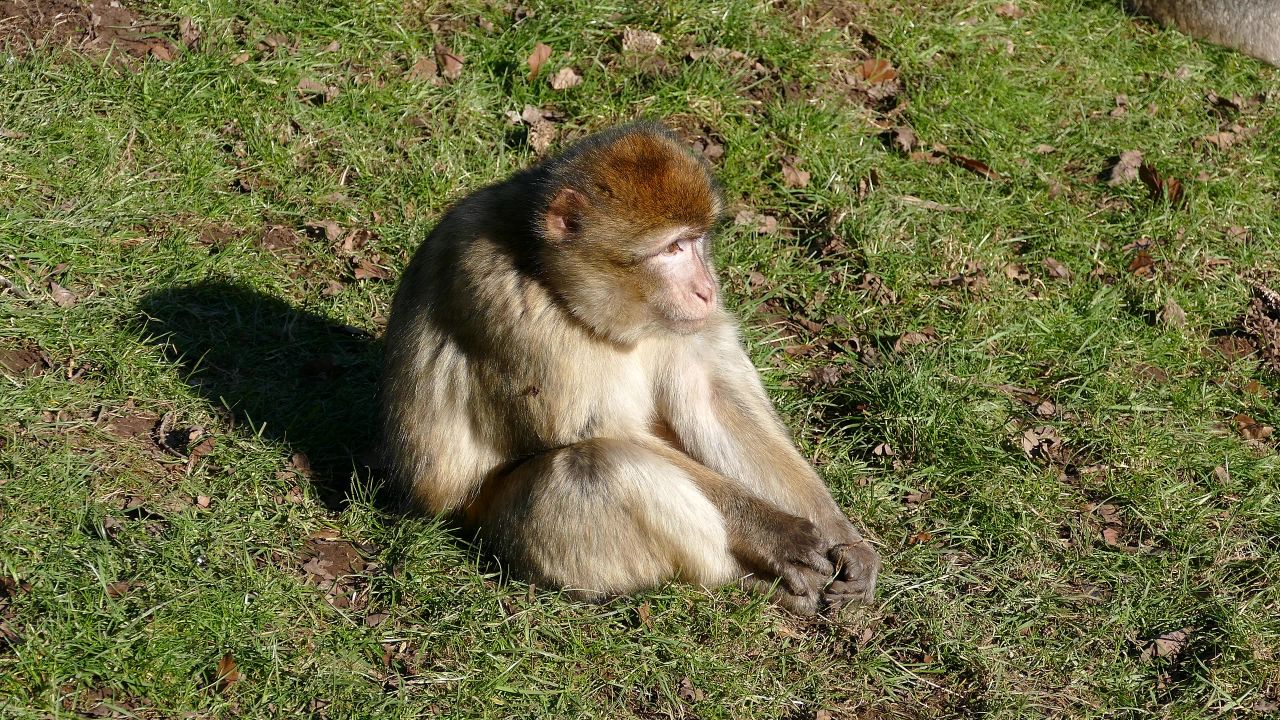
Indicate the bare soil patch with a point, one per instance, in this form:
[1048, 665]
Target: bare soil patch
[92, 28]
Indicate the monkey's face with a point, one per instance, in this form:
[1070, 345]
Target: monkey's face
[682, 290]
[626, 287]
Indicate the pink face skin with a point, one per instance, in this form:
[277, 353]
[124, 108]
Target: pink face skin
[689, 295]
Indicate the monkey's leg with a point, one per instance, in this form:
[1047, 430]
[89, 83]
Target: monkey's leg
[611, 516]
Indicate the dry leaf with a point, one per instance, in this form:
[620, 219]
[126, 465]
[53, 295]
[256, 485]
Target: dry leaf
[541, 53]
[62, 296]
[875, 71]
[1017, 272]
[424, 68]
[1169, 189]
[912, 339]
[565, 78]
[316, 91]
[903, 138]
[227, 674]
[1125, 168]
[1111, 536]
[1009, 10]
[643, 614]
[1172, 314]
[792, 176]
[1168, 645]
[1056, 269]
[449, 61]
[1251, 429]
[974, 166]
[640, 41]
[366, 270]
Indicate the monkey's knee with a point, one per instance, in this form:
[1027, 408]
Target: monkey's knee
[608, 517]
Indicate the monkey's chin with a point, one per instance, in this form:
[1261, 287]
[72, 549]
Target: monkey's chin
[685, 326]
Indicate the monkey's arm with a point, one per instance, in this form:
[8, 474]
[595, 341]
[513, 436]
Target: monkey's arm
[720, 415]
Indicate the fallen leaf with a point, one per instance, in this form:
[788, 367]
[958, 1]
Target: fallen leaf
[1159, 187]
[239, 59]
[423, 69]
[1017, 272]
[328, 229]
[644, 615]
[1042, 442]
[1111, 536]
[227, 673]
[565, 78]
[1125, 168]
[792, 176]
[974, 166]
[63, 297]
[449, 61]
[1056, 269]
[316, 91]
[877, 290]
[903, 138]
[919, 538]
[1142, 264]
[1172, 314]
[1009, 10]
[366, 270]
[875, 71]
[118, 588]
[1043, 149]
[640, 41]
[541, 53]
[1168, 645]
[1251, 429]
[912, 339]
[374, 619]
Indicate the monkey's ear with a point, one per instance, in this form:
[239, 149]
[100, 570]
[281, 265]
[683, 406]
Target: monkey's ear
[564, 214]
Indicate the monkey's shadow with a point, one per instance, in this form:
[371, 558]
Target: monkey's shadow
[290, 375]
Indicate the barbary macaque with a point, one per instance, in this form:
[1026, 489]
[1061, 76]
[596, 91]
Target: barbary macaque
[562, 378]
[1250, 26]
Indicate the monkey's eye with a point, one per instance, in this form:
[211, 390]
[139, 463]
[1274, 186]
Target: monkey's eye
[673, 248]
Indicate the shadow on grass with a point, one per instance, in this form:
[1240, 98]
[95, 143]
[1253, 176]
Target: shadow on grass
[292, 375]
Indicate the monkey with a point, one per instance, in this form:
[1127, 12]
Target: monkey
[1250, 26]
[561, 377]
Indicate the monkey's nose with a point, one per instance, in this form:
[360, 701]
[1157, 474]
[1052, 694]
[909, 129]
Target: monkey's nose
[703, 293]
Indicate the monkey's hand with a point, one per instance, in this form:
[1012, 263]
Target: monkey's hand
[856, 566]
[791, 552]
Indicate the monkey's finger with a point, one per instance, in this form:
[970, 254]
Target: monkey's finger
[819, 564]
[854, 561]
[850, 587]
[793, 581]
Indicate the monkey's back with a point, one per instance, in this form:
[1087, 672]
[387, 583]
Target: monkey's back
[483, 366]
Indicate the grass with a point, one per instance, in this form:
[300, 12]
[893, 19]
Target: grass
[1017, 584]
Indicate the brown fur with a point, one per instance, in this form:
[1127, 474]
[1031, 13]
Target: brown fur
[1250, 26]
[537, 387]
